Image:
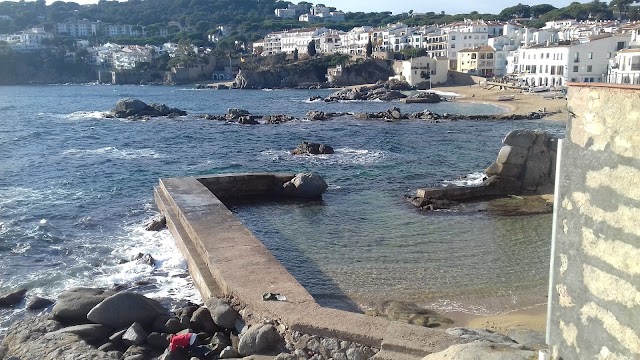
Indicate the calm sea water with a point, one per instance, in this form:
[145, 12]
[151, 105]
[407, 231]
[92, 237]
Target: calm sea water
[76, 190]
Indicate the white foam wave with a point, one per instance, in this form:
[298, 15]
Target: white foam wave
[115, 153]
[83, 115]
[21, 248]
[340, 156]
[23, 198]
[170, 273]
[468, 180]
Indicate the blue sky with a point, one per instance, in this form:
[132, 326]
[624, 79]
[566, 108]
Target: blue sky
[450, 7]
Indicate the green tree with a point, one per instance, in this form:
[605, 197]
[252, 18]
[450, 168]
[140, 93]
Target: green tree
[311, 48]
[369, 48]
[295, 55]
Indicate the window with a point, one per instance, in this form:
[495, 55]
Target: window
[590, 55]
[489, 56]
[453, 46]
[608, 55]
[576, 57]
[575, 69]
[453, 37]
[589, 68]
[547, 55]
[620, 45]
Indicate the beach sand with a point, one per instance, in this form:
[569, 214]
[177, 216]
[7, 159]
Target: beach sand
[523, 103]
[531, 319]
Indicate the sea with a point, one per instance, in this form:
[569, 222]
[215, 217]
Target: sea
[76, 190]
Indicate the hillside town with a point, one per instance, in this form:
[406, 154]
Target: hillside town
[548, 57]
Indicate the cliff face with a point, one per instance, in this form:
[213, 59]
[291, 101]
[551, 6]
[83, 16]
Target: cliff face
[366, 72]
[312, 71]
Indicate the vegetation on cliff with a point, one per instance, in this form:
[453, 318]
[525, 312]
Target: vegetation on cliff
[42, 67]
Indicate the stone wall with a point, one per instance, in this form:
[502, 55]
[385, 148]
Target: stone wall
[238, 186]
[594, 292]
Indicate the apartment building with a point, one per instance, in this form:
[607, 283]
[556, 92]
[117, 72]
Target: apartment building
[479, 61]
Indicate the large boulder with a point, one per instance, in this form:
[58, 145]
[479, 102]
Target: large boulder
[74, 304]
[135, 335]
[87, 332]
[258, 340]
[520, 138]
[12, 298]
[312, 148]
[123, 309]
[38, 303]
[130, 106]
[512, 155]
[201, 321]
[222, 314]
[306, 185]
[314, 115]
[134, 108]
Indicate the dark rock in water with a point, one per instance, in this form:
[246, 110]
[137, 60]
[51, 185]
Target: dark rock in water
[157, 224]
[277, 119]
[135, 335]
[146, 259]
[74, 304]
[317, 115]
[235, 114]
[12, 298]
[38, 303]
[307, 185]
[201, 321]
[259, 339]
[221, 313]
[247, 120]
[88, 332]
[134, 108]
[409, 313]
[312, 148]
[123, 309]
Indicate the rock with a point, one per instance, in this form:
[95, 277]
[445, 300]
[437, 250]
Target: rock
[395, 113]
[259, 339]
[109, 346]
[175, 355]
[88, 332]
[125, 308]
[135, 335]
[285, 356]
[520, 138]
[537, 169]
[316, 115]
[481, 350]
[74, 304]
[221, 313]
[38, 303]
[512, 155]
[173, 325]
[137, 350]
[483, 335]
[157, 224]
[30, 338]
[503, 170]
[134, 108]
[229, 353]
[356, 354]
[409, 313]
[12, 298]
[530, 338]
[235, 114]
[306, 185]
[312, 148]
[201, 321]
[145, 259]
[158, 340]
[116, 337]
[135, 357]
[218, 342]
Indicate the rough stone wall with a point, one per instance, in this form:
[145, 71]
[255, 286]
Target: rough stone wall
[594, 304]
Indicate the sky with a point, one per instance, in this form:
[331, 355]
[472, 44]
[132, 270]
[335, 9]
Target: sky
[421, 6]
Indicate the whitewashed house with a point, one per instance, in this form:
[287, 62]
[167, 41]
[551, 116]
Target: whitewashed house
[422, 69]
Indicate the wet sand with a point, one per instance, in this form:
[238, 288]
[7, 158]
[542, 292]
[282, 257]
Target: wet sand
[532, 319]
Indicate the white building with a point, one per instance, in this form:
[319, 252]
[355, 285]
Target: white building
[503, 46]
[422, 69]
[354, 42]
[299, 39]
[556, 65]
[129, 56]
[286, 13]
[77, 28]
[31, 39]
[625, 69]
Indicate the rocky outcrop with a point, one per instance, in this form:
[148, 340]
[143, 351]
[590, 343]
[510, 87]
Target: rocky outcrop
[383, 91]
[423, 98]
[312, 149]
[156, 224]
[74, 304]
[136, 109]
[409, 313]
[12, 298]
[525, 165]
[306, 185]
[125, 308]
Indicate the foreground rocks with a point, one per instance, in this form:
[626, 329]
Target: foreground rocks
[136, 109]
[524, 166]
[305, 185]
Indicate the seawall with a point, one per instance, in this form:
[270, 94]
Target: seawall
[226, 260]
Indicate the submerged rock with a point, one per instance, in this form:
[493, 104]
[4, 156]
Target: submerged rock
[12, 298]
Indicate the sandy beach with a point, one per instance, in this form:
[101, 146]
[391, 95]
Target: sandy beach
[523, 103]
[531, 319]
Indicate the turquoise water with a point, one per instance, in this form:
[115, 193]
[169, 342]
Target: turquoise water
[76, 190]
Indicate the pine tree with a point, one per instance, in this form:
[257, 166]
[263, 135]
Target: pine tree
[311, 48]
[369, 48]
